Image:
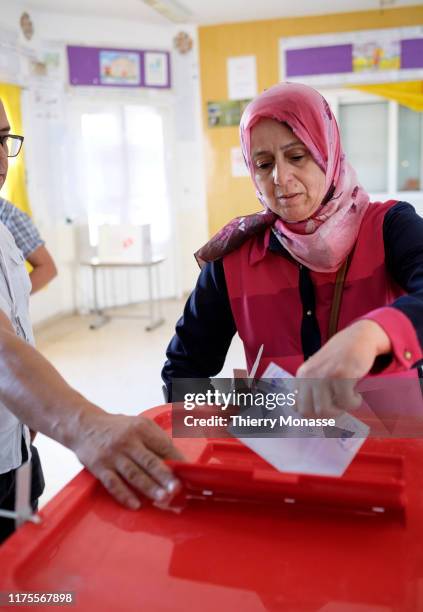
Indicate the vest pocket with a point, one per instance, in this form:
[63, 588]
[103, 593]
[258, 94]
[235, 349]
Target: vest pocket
[21, 283]
[19, 286]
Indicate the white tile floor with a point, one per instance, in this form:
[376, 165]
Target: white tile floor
[117, 367]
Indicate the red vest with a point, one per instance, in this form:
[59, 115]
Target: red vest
[263, 289]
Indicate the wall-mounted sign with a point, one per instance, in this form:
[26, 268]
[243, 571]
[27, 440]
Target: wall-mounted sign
[118, 67]
[242, 77]
[366, 56]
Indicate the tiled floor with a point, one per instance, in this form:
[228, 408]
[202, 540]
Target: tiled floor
[117, 367]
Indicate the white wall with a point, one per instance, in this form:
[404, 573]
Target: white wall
[48, 171]
[10, 14]
[99, 31]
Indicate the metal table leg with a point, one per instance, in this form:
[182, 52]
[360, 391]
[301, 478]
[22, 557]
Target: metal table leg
[153, 322]
[101, 318]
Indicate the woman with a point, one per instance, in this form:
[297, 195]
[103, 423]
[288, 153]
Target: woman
[330, 283]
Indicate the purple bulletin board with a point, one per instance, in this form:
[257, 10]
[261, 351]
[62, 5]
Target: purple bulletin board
[412, 53]
[329, 60]
[353, 57]
[108, 67]
[336, 59]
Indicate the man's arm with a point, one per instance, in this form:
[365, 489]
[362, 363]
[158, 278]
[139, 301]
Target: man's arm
[119, 450]
[29, 241]
[44, 268]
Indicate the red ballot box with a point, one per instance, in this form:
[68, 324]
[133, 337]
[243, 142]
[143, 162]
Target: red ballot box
[240, 536]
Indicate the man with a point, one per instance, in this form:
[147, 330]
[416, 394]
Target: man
[29, 241]
[123, 452]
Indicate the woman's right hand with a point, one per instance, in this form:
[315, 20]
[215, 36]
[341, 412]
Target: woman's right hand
[330, 375]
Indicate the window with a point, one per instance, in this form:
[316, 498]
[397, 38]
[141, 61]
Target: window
[383, 142]
[364, 134]
[123, 169]
[410, 126]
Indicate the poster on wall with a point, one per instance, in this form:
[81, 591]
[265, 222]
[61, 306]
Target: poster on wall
[242, 77]
[156, 69]
[225, 113]
[366, 56]
[46, 67]
[119, 68]
[373, 56]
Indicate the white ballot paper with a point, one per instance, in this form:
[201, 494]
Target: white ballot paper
[309, 452]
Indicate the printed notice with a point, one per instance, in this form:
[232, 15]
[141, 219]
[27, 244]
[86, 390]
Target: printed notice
[242, 77]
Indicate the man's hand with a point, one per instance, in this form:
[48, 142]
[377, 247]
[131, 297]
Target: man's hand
[340, 363]
[123, 450]
[118, 450]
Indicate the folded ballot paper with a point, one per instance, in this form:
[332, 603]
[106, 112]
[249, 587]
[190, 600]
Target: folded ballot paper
[310, 452]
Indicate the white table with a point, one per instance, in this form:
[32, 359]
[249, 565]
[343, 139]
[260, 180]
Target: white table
[154, 315]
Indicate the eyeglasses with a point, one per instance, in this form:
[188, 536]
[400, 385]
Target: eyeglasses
[11, 144]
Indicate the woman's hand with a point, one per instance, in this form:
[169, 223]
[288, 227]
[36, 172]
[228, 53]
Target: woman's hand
[333, 371]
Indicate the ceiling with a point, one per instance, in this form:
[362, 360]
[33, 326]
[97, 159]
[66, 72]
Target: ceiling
[206, 12]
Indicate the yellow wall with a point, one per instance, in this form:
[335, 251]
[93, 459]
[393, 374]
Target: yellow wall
[15, 185]
[228, 197]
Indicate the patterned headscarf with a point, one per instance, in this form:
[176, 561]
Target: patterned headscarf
[323, 241]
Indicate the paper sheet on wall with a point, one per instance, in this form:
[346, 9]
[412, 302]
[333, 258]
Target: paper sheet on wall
[313, 454]
[156, 69]
[242, 77]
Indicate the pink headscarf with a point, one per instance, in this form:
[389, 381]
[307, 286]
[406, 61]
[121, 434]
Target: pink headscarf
[323, 241]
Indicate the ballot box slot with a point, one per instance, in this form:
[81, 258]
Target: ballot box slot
[229, 452]
[216, 482]
[371, 466]
[227, 470]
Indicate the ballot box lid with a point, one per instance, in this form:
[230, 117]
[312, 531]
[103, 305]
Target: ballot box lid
[239, 553]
